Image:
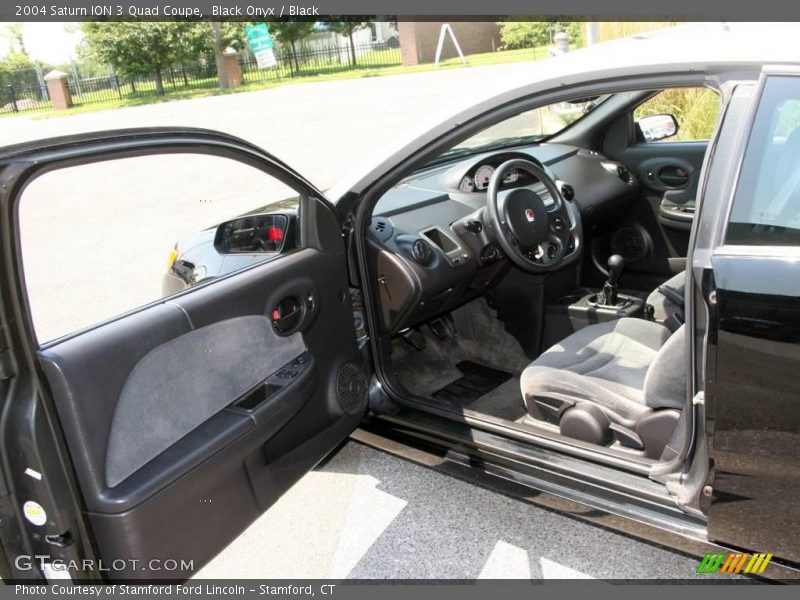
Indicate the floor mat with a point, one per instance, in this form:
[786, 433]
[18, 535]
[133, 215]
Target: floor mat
[482, 339]
[477, 380]
[503, 402]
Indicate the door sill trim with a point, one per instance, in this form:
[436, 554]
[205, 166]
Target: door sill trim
[556, 487]
[510, 430]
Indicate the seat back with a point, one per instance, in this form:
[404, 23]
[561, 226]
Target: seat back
[665, 381]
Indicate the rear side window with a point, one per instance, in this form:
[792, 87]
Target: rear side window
[766, 205]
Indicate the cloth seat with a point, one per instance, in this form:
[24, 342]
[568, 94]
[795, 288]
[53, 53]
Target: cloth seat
[619, 375]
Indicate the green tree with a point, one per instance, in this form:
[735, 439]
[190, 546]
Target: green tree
[233, 35]
[530, 34]
[17, 57]
[291, 32]
[140, 48]
[347, 29]
[10, 67]
[199, 41]
[14, 32]
[18, 60]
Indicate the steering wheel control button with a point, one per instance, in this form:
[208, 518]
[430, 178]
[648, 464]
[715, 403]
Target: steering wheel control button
[557, 224]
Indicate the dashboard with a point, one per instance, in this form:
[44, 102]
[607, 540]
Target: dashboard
[430, 242]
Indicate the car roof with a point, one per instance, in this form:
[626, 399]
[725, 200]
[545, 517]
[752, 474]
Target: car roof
[707, 48]
[700, 44]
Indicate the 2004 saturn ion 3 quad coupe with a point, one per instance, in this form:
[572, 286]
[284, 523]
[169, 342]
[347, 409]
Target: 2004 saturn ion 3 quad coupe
[541, 292]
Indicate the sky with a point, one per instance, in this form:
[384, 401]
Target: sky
[48, 42]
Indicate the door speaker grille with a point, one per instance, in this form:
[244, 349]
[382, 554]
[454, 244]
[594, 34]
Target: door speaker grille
[351, 388]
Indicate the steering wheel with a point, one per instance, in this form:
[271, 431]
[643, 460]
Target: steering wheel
[534, 238]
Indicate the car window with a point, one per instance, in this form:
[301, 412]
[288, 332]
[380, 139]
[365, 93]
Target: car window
[766, 204]
[101, 239]
[695, 109]
[527, 127]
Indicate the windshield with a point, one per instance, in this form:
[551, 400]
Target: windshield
[528, 127]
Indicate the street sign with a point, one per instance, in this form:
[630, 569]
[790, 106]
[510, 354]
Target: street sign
[261, 45]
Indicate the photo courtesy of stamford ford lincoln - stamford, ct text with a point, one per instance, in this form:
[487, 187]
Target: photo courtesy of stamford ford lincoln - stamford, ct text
[402, 299]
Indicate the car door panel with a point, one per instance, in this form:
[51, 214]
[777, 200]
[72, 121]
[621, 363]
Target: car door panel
[220, 444]
[186, 419]
[193, 377]
[669, 174]
[756, 331]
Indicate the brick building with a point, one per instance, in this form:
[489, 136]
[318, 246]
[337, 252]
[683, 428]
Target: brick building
[418, 39]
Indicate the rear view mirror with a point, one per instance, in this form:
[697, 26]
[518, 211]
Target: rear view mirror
[252, 234]
[658, 127]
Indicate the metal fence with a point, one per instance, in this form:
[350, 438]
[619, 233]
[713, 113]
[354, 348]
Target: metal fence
[179, 78]
[323, 60]
[21, 95]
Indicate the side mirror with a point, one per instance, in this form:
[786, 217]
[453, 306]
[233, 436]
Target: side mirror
[252, 234]
[657, 127]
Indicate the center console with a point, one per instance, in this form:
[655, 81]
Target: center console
[585, 307]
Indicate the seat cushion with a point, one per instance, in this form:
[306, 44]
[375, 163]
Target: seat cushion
[604, 363]
[663, 306]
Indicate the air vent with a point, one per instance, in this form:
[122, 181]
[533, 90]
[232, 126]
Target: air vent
[381, 228]
[422, 252]
[568, 192]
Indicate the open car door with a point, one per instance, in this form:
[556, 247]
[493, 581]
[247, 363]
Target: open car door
[140, 444]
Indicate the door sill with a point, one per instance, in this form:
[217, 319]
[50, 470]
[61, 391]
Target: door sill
[541, 438]
[534, 474]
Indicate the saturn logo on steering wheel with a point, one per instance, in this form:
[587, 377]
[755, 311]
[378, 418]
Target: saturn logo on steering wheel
[529, 215]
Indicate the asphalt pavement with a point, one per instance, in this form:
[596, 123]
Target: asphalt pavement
[368, 515]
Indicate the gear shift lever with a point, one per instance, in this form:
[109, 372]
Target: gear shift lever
[609, 293]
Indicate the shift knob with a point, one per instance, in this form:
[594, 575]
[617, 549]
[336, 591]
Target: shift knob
[615, 266]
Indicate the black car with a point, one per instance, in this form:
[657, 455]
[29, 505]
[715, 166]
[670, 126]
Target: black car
[588, 319]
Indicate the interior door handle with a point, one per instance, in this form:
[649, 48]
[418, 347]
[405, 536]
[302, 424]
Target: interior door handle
[673, 176]
[286, 316]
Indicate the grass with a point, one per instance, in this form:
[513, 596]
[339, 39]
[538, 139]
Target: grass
[205, 88]
[694, 108]
[613, 30]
